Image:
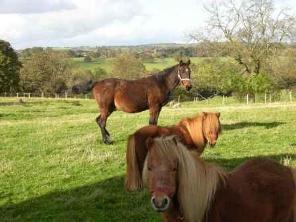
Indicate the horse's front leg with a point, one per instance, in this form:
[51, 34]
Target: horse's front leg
[154, 114]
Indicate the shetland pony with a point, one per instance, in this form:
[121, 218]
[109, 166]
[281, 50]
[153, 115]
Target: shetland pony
[183, 187]
[195, 132]
[133, 96]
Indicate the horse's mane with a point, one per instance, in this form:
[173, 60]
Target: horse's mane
[195, 126]
[162, 74]
[198, 180]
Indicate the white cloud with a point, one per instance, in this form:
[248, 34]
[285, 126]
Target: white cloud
[25, 30]
[34, 6]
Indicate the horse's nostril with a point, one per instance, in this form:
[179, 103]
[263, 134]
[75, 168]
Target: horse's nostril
[165, 202]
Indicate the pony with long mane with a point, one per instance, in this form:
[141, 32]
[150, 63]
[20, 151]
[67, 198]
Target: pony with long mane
[183, 187]
[133, 96]
[195, 132]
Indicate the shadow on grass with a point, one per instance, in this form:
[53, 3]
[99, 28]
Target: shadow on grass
[240, 125]
[233, 162]
[103, 201]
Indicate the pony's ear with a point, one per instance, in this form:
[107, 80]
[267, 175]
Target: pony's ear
[149, 142]
[181, 62]
[217, 114]
[188, 62]
[204, 114]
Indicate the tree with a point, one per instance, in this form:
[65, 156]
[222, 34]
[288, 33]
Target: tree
[47, 71]
[128, 66]
[252, 30]
[87, 58]
[9, 68]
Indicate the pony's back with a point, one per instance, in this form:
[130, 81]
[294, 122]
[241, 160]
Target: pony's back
[258, 190]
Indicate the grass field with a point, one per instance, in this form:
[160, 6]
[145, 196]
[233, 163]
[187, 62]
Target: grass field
[53, 166]
[106, 64]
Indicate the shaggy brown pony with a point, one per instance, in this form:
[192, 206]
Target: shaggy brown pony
[183, 187]
[133, 96]
[195, 132]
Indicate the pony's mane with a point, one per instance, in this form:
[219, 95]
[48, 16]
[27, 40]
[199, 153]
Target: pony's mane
[198, 180]
[194, 126]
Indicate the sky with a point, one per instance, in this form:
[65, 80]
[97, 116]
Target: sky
[70, 23]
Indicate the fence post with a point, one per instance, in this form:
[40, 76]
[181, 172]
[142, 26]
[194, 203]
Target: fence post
[85, 97]
[223, 99]
[247, 99]
[270, 98]
[265, 98]
[66, 95]
[17, 95]
[29, 95]
[42, 94]
[290, 93]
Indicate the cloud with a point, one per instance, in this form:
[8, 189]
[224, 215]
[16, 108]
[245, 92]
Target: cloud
[34, 6]
[25, 30]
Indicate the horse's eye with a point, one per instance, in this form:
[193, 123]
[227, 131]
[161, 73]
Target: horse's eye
[175, 169]
[149, 168]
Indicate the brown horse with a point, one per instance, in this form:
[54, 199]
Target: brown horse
[183, 187]
[133, 96]
[195, 132]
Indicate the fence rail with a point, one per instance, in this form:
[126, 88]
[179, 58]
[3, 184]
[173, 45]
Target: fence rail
[281, 96]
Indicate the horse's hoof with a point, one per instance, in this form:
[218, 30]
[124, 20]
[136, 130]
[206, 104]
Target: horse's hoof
[108, 141]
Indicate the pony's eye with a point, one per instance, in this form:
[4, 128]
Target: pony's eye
[149, 168]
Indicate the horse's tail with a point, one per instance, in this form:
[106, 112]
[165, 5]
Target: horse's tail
[133, 180]
[84, 87]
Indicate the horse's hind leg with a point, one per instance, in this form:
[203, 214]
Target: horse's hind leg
[101, 121]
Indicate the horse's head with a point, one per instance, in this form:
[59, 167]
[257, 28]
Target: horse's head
[184, 73]
[160, 176]
[211, 127]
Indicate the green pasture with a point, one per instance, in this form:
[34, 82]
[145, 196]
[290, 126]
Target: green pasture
[106, 64]
[54, 167]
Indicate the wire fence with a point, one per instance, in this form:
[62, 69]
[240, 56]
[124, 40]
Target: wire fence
[273, 97]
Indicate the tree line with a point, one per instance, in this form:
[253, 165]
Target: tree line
[247, 46]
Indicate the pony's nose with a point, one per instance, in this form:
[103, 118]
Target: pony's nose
[213, 143]
[160, 204]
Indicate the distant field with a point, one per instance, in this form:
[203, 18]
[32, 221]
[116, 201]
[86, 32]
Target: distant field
[106, 64]
[54, 167]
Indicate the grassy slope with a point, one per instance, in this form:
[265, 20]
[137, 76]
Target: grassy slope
[53, 166]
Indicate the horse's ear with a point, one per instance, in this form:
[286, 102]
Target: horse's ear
[217, 114]
[149, 142]
[204, 114]
[181, 62]
[188, 62]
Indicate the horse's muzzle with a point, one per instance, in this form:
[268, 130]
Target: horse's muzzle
[212, 144]
[160, 204]
[188, 87]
